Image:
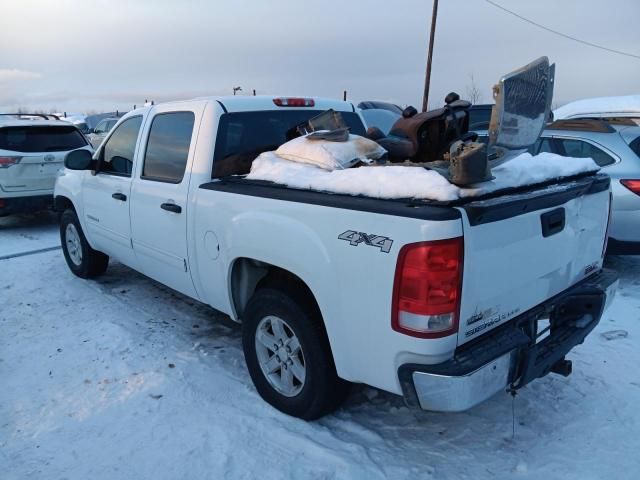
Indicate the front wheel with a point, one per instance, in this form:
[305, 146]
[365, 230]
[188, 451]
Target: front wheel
[83, 261]
[288, 356]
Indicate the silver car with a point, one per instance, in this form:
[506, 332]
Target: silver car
[615, 146]
[97, 135]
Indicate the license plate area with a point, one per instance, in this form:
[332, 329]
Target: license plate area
[543, 329]
[50, 168]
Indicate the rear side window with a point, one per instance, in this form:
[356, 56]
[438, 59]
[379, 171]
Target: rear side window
[167, 151]
[117, 153]
[242, 136]
[635, 146]
[33, 139]
[580, 149]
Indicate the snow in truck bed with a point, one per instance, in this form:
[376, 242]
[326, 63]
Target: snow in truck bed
[414, 182]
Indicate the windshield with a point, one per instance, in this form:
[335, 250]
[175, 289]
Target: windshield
[242, 136]
[41, 139]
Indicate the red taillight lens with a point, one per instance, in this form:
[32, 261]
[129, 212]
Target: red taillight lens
[6, 162]
[294, 102]
[428, 283]
[633, 185]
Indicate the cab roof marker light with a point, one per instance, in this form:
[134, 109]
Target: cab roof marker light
[294, 102]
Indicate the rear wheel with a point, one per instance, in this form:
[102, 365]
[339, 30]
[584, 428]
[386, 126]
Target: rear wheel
[83, 261]
[288, 356]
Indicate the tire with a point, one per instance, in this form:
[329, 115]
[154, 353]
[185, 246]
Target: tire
[321, 391]
[83, 261]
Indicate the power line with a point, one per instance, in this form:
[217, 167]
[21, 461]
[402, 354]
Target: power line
[584, 42]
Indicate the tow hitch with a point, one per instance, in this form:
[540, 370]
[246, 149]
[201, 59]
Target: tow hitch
[563, 367]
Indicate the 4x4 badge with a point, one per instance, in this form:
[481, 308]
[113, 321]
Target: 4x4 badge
[356, 238]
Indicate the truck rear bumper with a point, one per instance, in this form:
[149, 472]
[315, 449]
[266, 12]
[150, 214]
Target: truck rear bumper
[511, 356]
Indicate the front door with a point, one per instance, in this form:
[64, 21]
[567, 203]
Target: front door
[160, 196]
[106, 194]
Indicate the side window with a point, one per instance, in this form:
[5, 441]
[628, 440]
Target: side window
[110, 125]
[578, 148]
[635, 146]
[117, 154]
[167, 151]
[545, 145]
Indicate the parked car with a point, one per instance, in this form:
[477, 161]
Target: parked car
[603, 108]
[379, 118]
[480, 116]
[101, 130]
[435, 301]
[378, 105]
[615, 146]
[77, 119]
[32, 151]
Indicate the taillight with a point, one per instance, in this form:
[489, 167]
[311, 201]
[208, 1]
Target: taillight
[294, 102]
[427, 288]
[6, 162]
[633, 185]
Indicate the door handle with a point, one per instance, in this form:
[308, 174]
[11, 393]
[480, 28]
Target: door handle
[553, 222]
[171, 207]
[119, 196]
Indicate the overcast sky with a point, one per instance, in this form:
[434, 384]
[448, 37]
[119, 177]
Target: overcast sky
[80, 55]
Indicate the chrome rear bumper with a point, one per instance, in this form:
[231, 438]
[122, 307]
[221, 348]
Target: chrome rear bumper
[441, 393]
[513, 354]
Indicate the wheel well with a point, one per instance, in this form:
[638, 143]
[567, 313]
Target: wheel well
[249, 275]
[62, 203]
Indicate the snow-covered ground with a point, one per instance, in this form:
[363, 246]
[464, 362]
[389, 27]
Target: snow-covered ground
[122, 378]
[25, 233]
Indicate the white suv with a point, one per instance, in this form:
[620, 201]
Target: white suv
[32, 150]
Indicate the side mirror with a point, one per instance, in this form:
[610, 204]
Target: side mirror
[79, 160]
[89, 130]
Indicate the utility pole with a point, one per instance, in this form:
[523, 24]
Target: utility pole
[427, 80]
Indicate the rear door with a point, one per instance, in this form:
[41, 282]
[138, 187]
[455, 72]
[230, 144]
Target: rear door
[522, 249]
[106, 194]
[39, 151]
[160, 195]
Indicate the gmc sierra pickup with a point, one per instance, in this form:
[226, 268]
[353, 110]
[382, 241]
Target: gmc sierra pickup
[445, 303]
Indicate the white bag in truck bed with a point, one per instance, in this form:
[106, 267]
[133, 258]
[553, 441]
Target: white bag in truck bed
[415, 182]
[330, 155]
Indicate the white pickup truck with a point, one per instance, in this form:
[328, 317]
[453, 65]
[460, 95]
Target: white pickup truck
[445, 303]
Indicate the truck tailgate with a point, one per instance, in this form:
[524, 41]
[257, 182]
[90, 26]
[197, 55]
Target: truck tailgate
[523, 248]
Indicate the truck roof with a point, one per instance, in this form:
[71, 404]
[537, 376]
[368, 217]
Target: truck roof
[246, 103]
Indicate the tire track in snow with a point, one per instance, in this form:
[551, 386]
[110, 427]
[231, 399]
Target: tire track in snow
[29, 252]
